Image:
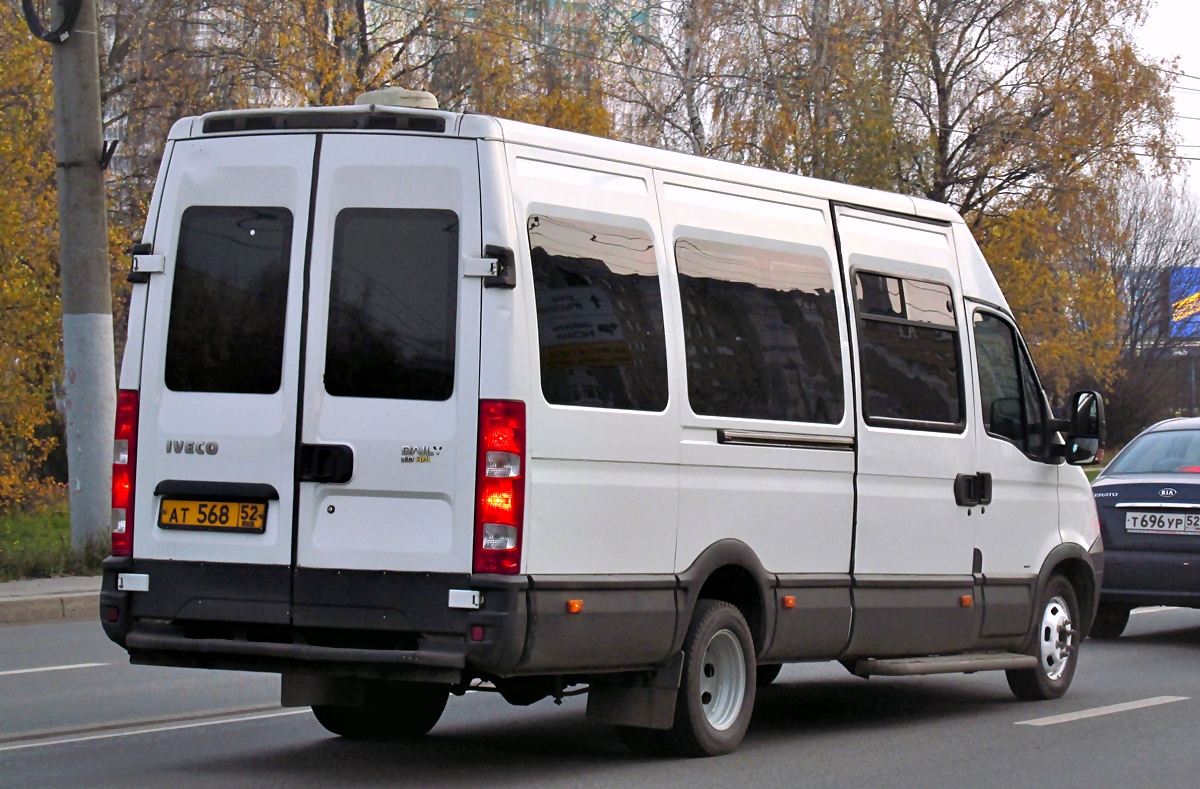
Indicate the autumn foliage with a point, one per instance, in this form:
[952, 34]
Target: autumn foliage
[1028, 116]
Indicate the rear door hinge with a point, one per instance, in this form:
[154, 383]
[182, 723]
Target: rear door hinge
[497, 267]
[145, 263]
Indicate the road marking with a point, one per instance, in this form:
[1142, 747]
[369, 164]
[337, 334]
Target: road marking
[1098, 711]
[55, 734]
[154, 730]
[1156, 610]
[49, 668]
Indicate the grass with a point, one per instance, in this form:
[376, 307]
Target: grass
[38, 545]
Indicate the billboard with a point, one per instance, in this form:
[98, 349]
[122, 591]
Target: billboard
[1185, 302]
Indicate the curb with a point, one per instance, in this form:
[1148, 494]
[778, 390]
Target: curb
[77, 607]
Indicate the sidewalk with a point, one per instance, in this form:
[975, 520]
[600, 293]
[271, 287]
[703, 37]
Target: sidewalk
[70, 599]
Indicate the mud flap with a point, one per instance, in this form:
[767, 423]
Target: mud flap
[643, 699]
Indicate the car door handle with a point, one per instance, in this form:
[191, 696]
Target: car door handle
[971, 490]
[329, 463]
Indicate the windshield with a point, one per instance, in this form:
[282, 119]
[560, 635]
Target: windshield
[1166, 452]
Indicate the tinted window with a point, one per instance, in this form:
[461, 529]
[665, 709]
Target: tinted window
[999, 378]
[761, 333]
[909, 351]
[392, 304]
[600, 320]
[229, 300]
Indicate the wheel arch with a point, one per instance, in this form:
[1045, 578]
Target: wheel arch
[1079, 567]
[730, 571]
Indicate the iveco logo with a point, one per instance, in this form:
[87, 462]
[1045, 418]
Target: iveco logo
[1167, 493]
[192, 447]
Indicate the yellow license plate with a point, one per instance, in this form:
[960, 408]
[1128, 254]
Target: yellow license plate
[243, 516]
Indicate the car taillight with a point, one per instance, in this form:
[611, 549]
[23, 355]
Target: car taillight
[500, 487]
[124, 465]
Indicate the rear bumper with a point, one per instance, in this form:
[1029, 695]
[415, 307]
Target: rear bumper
[344, 623]
[1151, 578]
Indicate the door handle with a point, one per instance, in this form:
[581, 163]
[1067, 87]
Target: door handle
[329, 463]
[971, 490]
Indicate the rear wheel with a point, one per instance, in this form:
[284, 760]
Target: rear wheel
[1055, 645]
[716, 692]
[1111, 619]
[393, 711]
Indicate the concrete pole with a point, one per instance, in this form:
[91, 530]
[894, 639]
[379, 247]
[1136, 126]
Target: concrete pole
[89, 378]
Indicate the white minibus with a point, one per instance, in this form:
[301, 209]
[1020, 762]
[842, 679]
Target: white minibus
[417, 402]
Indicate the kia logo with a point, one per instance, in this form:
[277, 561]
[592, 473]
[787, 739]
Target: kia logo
[1167, 493]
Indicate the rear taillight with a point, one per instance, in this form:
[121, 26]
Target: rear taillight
[124, 465]
[500, 487]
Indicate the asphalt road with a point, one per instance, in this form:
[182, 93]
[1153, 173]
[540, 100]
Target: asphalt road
[130, 726]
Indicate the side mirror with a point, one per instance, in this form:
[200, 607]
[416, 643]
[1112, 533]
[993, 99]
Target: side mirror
[1085, 430]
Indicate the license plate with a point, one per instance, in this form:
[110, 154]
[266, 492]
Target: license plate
[1162, 523]
[239, 516]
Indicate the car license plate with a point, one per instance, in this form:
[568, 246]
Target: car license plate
[1162, 523]
[239, 516]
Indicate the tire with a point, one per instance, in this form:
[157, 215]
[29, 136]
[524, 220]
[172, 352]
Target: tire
[767, 673]
[1111, 619]
[716, 691]
[1055, 645]
[393, 711]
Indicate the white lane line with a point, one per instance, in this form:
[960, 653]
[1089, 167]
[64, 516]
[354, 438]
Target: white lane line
[153, 730]
[49, 668]
[1097, 711]
[1156, 610]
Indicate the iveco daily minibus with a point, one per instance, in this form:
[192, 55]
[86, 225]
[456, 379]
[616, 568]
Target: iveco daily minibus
[415, 402]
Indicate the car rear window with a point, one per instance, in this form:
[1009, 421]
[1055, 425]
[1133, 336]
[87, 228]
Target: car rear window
[229, 300]
[393, 297]
[1164, 452]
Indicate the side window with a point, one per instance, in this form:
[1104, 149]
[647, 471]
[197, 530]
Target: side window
[1011, 401]
[600, 317]
[393, 297]
[908, 347]
[761, 333]
[229, 300]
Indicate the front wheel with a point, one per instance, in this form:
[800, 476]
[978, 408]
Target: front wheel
[716, 692]
[392, 711]
[1111, 619]
[1055, 645]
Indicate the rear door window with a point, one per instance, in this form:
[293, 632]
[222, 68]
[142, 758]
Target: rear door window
[229, 300]
[392, 304]
[761, 333]
[600, 317]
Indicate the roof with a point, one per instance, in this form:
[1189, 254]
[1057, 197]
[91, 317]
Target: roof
[977, 279]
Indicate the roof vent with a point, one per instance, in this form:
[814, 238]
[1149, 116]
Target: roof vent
[399, 97]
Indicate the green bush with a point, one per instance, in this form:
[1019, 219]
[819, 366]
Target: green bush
[37, 544]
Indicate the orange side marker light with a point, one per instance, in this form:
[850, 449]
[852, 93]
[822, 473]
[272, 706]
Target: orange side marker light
[789, 601]
[574, 606]
[966, 601]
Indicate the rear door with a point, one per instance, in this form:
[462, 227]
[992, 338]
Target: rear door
[390, 369]
[219, 381]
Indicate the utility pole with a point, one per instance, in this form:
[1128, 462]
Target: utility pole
[89, 379]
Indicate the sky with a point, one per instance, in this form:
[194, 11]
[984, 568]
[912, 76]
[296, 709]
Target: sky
[1171, 31]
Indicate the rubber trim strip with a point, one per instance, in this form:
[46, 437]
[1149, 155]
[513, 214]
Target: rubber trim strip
[758, 439]
[153, 642]
[186, 487]
[308, 250]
